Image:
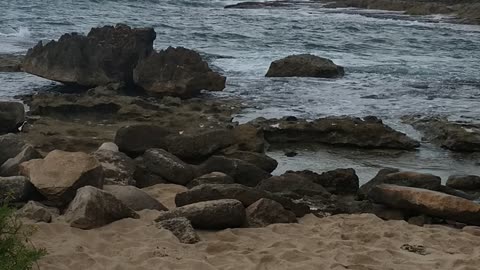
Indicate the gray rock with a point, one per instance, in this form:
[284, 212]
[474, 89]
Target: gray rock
[11, 166]
[16, 189]
[134, 198]
[136, 139]
[304, 65]
[38, 212]
[260, 160]
[12, 116]
[10, 146]
[291, 182]
[265, 212]
[11, 63]
[211, 178]
[168, 166]
[181, 228]
[118, 168]
[464, 182]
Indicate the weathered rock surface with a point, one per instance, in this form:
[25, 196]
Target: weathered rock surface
[118, 168]
[176, 72]
[249, 138]
[168, 166]
[16, 189]
[11, 166]
[10, 146]
[107, 54]
[136, 139]
[182, 229]
[427, 202]
[12, 116]
[304, 65]
[93, 207]
[11, 63]
[246, 195]
[339, 181]
[211, 178]
[260, 160]
[292, 183]
[60, 174]
[144, 177]
[134, 198]
[464, 182]
[367, 133]
[265, 212]
[38, 212]
[210, 215]
[242, 172]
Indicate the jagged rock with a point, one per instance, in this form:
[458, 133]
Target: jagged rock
[93, 207]
[265, 212]
[118, 168]
[427, 202]
[16, 189]
[246, 195]
[210, 215]
[339, 181]
[11, 166]
[242, 172]
[12, 116]
[134, 198]
[107, 54]
[304, 65]
[369, 132]
[262, 161]
[168, 166]
[181, 228]
[176, 72]
[60, 174]
[294, 183]
[211, 178]
[38, 212]
[464, 182]
[10, 146]
[136, 139]
[11, 63]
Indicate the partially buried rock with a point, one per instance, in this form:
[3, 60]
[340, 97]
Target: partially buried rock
[210, 215]
[61, 173]
[11, 166]
[12, 116]
[305, 65]
[92, 208]
[427, 202]
[177, 72]
[181, 228]
[38, 212]
[464, 182]
[168, 166]
[265, 212]
[118, 168]
[134, 198]
[107, 54]
[211, 178]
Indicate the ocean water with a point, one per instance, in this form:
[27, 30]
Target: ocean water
[395, 65]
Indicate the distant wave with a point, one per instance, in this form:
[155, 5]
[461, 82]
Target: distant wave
[21, 32]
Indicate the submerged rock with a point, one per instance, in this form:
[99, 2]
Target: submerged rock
[11, 63]
[12, 116]
[304, 65]
[265, 212]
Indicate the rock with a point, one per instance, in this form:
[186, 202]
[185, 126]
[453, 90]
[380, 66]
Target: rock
[10, 63]
[144, 177]
[10, 146]
[262, 161]
[93, 208]
[38, 212]
[136, 139]
[408, 179]
[181, 228]
[291, 182]
[246, 195]
[176, 72]
[134, 198]
[107, 54]
[11, 166]
[458, 193]
[249, 138]
[168, 166]
[366, 133]
[109, 146]
[339, 181]
[265, 212]
[464, 182]
[243, 172]
[16, 189]
[211, 178]
[118, 168]
[60, 174]
[210, 215]
[304, 65]
[12, 116]
[427, 202]
[420, 220]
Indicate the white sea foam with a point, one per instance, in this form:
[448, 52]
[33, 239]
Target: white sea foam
[21, 32]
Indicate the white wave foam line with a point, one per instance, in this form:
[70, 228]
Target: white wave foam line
[22, 32]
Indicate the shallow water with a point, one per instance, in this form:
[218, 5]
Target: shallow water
[395, 65]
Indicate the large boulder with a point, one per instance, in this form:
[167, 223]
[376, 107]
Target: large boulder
[118, 168]
[10, 63]
[11, 166]
[16, 189]
[211, 178]
[144, 177]
[176, 72]
[242, 172]
[304, 65]
[249, 138]
[260, 160]
[93, 207]
[168, 166]
[427, 202]
[12, 116]
[292, 183]
[10, 146]
[369, 132]
[464, 182]
[107, 54]
[136, 139]
[210, 215]
[134, 198]
[60, 174]
[182, 229]
[338, 181]
[246, 195]
[265, 212]
[37, 212]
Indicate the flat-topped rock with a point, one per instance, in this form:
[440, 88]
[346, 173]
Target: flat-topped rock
[305, 65]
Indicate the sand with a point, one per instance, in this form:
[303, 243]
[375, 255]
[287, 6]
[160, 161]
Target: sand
[337, 242]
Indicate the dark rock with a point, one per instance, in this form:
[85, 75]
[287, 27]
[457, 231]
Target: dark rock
[243, 172]
[211, 178]
[339, 181]
[420, 220]
[291, 182]
[168, 166]
[176, 72]
[136, 139]
[10, 146]
[265, 212]
[38, 212]
[107, 54]
[464, 182]
[11, 63]
[16, 189]
[134, 198]
[255, 5]
[144, 177]
[304, 65]
[249, 138]
[210, 215]
[12, 116]
[181, 228]
[93, 207]
[118, 168]
[291, 154]
[242, 193]
[458, 193]
[11, 166]
[262, 161]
